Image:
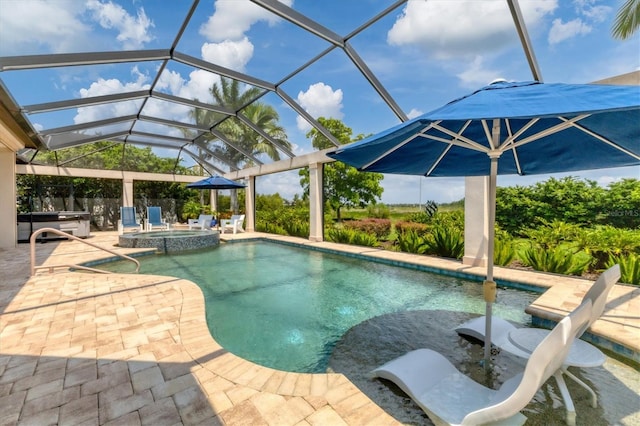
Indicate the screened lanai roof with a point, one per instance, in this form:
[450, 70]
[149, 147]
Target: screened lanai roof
[107, 75]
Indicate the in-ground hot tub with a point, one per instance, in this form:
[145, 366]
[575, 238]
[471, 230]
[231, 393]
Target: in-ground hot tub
[170, 241]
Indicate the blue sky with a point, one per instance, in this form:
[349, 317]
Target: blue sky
[426, 53]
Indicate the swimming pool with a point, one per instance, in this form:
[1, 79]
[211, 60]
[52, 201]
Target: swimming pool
[286, 307]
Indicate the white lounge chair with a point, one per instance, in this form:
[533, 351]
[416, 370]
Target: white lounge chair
[202, 222]
[128, 220]
[450, 397]
[234, 224]
[582, 354]
[154, 219]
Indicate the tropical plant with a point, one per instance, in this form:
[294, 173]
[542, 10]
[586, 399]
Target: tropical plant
[339, 234]
[629, 267]
[503, 249]
[445, 241]
[551, 234]
[560, 260]
[410, 241]
[230, 95]
[627, 20]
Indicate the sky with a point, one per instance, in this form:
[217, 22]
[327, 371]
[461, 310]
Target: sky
[425, 53]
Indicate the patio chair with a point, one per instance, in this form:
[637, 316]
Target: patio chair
[202, 222]
[234, 224]
[450, 397]
[154, 219]
[582, 354]
[128, 220]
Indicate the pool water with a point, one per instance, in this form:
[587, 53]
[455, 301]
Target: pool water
[286, 307]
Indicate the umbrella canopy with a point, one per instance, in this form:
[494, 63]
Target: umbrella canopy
[215, 182]
[509, 128]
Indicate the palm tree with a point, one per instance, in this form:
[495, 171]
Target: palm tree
[229, 95]
[627, 20]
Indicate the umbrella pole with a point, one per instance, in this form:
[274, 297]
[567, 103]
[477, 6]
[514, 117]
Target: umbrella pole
[489, 286]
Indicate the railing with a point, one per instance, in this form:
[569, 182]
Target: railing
[32, 242]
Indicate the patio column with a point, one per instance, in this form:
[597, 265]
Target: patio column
[250, 204]
[476, 213]
[127, 192]
[8, 212]
[316, 216]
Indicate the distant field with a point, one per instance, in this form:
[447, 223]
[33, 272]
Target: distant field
[398, 212]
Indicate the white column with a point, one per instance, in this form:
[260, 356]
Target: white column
[476, 213]
[250, 204]
[316, 217]
[127, 192]
[8, 211]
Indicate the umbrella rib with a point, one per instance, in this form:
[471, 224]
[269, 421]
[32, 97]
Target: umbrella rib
[511, 139]
[468, 143]
[487, 134]
[515, 153]
[551, 130]
[395, 147]
[603, 139]
[435, 164]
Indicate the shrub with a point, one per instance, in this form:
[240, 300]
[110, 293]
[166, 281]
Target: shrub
[446, 241]
[402, 227]
[603, 242]
[420, 217]
[378, 227]
[629, 267]
[378, 211]
[503, 249]
[351, 236]
[410, 241]
[551, 234]
[560, 260]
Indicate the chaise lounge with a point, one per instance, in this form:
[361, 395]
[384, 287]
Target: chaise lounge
[451, 398]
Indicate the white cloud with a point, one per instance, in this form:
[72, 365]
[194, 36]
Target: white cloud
[287, 184]
[402, 189]
[450, 29]
[106, 87]
[320, 100]
[562, 31]
[58, 28]
[230, 54]
[477, 76]
[232, 19]
[414, 113]
[133, 31]
[592, 10]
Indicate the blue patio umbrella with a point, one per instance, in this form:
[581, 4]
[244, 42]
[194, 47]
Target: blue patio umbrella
[509, 128]
[216, 182]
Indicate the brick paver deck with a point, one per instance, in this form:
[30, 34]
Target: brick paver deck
[84, 348]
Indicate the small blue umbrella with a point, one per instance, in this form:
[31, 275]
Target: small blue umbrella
[216, 182]
[509, 128]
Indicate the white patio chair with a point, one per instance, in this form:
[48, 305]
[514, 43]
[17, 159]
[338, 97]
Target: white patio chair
[202, 222]
[234, 224]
